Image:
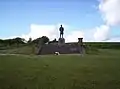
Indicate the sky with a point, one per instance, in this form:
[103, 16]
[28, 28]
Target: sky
[94, 20]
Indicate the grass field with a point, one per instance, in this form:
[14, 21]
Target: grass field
[100, 71]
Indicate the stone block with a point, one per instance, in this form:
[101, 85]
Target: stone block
[61, 41]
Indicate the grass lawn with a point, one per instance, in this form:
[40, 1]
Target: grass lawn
[100, 71]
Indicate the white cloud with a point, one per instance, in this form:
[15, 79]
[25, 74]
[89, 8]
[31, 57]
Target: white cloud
[74, 35]
[52, 31]
[41, 30]
[36, 31]
[101, 33]
[71, 35]
[111, 16]
[110, 9]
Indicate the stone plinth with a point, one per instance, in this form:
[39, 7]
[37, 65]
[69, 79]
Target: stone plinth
[80, 41]
[80, 44]
[61, 41]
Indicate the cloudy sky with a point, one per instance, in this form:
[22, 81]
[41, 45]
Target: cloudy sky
[94, 20]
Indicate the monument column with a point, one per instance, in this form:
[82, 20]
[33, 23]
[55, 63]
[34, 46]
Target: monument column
[80, 44]
[61, 40]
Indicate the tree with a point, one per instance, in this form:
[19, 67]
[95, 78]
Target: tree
[18, 40]
[36, 41]
[41, 40]
[30, 40]
[53, 41]
[44, 39]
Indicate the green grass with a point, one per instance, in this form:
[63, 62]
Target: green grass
[103, 45]
[100, 71]
[28, 49]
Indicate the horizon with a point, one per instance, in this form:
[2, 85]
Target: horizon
[93, 20]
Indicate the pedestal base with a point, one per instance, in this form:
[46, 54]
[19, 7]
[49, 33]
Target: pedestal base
[61, 41]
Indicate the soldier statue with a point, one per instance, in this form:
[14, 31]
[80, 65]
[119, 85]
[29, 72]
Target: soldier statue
[61, 29]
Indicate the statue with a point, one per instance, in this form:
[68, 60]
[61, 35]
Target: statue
[61, 29]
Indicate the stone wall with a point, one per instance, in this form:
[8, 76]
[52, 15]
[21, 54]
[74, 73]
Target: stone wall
[62, 49]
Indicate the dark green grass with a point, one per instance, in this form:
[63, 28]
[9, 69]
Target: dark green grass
[29, 49]
[101, 71]
[103, 45]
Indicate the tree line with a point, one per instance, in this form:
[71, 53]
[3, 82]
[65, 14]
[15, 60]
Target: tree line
[21, 41]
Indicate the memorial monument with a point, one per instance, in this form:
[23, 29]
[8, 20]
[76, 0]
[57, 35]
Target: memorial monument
[62, 47]
[61, 39]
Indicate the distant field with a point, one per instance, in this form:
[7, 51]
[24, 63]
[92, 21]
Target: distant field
[95, 71]
[91, 48]
[104, 45]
